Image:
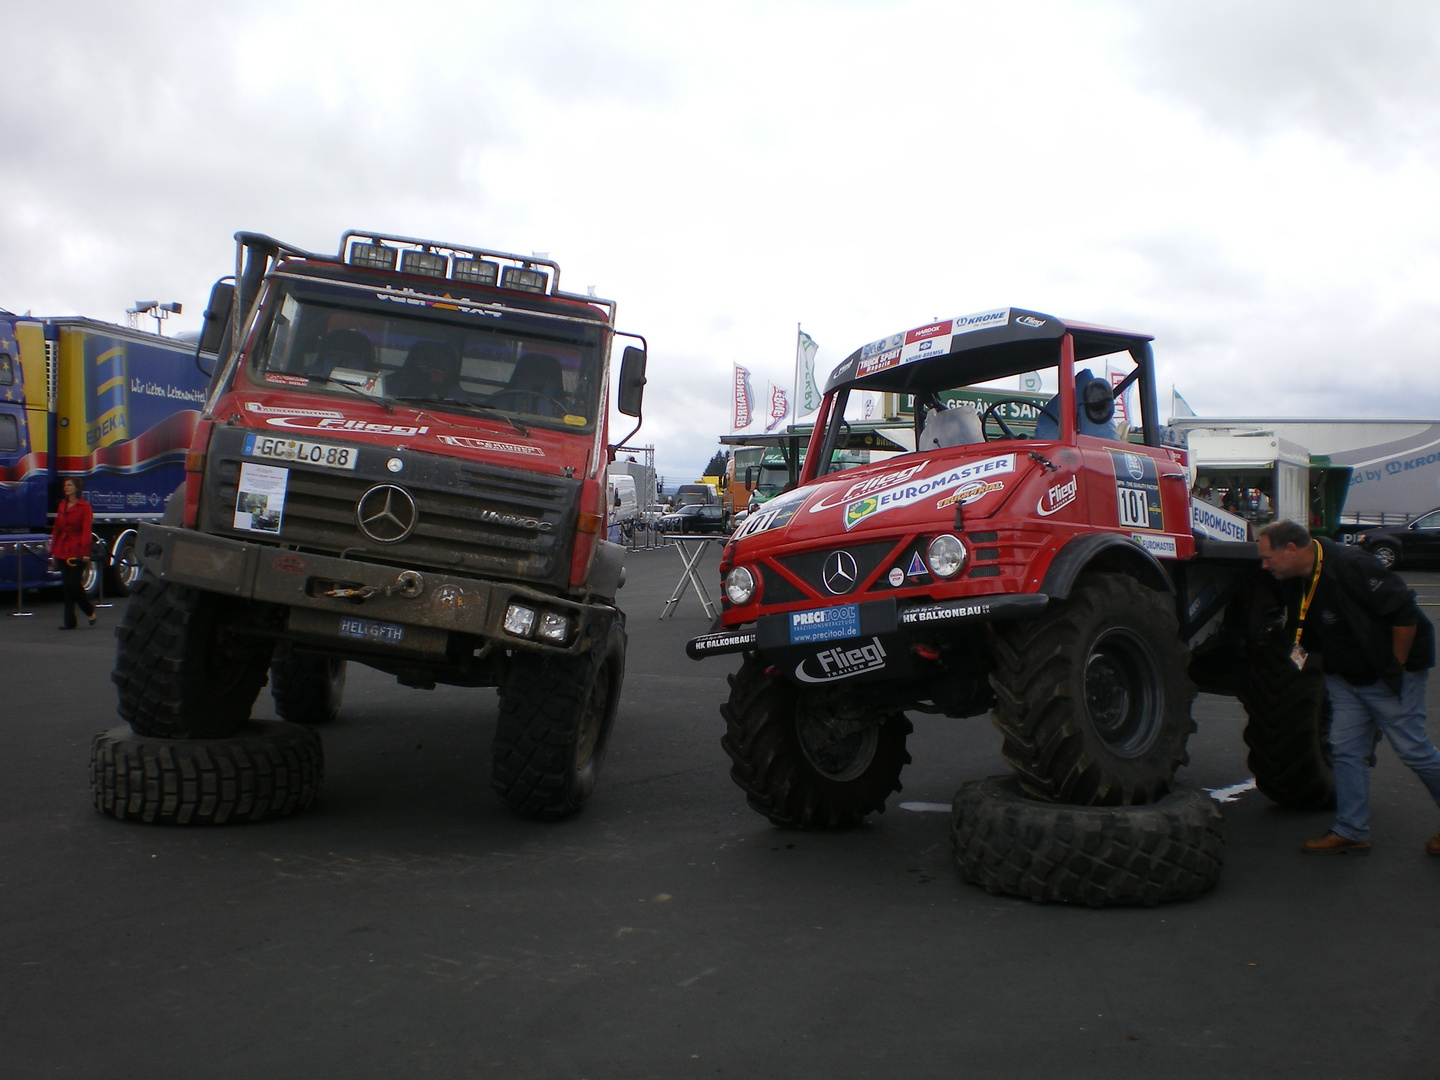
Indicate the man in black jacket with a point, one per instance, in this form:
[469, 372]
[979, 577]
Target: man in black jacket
[1378, 648]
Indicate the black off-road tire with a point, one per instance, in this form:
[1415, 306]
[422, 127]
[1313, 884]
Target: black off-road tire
[1009, 843]
[179, 674]
[792, 769]
[265, 770]
[1093, 697]
[307, 689]
[1288, 731]
[556, 715]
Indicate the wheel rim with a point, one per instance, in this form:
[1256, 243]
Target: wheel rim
[90, 579]
[837, 749]
[1122, 693]
[127, 565]
[1386, 555]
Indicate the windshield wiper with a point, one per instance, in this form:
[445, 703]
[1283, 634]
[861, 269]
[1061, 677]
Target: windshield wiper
[468, 406]
[361, 393]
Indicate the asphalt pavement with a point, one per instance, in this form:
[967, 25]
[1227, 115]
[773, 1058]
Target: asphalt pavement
[408, 926]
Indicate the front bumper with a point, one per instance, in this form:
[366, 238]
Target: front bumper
[880, 618]
[327, 595]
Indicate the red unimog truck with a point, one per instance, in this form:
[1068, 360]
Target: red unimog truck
[401, 461]
[1051, 577]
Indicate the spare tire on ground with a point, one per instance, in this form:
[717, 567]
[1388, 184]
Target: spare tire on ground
[265, 770]
[1006, 842]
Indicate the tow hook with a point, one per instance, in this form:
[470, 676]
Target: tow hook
[409, 584]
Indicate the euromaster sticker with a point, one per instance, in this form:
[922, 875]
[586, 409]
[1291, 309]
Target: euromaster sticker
[1162, 547]
[906, 494]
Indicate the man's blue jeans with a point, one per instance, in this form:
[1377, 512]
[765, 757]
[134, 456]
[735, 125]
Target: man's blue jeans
[1355, 713]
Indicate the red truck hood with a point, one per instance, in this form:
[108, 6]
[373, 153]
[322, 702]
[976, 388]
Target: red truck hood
[472, 437]
[892, 496]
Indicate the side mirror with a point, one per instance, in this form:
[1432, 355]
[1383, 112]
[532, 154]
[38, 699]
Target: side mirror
[1097, 401]
[750, 476]
[217, 317]
[632, 381]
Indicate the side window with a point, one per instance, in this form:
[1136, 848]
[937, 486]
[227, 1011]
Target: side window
[9, 434]
[1429, 521]
[7, 370]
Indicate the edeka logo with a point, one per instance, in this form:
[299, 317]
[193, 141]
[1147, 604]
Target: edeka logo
[908, 493]
[830, 664]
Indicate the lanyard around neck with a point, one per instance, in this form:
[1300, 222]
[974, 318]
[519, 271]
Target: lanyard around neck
[1310, 591]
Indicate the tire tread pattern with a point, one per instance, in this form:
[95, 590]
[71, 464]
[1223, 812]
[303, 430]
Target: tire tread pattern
[1011, 844]
[267, 770]
[769, 764]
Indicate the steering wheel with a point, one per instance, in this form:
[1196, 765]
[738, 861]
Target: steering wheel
[493, 401]
[992, 413]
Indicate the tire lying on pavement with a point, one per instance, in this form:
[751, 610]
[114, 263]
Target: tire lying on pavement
[1006, 842]
[267, 769]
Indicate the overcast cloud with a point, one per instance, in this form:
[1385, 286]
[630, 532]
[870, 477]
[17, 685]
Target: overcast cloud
[1254, 183]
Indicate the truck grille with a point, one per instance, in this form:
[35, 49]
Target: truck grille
[468, 517]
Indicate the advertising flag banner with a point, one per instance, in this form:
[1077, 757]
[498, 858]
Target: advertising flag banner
[779, 407]
[740, 416]
[807, 394]
[1122, 404]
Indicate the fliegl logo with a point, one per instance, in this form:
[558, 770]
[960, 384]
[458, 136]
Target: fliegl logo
[828, 665]
[1058, 497]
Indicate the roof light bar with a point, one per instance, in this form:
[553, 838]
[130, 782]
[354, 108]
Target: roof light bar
[372, 256]
[524, 279]
[424, 263]
[475, 271]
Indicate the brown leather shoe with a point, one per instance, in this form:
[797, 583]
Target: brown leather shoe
[1332, 843]
[1432, 846]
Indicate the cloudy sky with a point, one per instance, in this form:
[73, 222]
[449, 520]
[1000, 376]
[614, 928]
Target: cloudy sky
[1253, 181]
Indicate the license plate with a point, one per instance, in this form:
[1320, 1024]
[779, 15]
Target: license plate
[325, 455]
[378, 632]
[824, 624]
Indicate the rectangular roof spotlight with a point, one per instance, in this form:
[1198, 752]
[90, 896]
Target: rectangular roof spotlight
[372, 256]
[524, 279]
[475, 271]
[424, 263]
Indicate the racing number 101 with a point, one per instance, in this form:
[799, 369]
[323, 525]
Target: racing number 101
[1134, 507]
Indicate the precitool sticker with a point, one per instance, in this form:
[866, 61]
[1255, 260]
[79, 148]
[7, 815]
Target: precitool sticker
[490, 444]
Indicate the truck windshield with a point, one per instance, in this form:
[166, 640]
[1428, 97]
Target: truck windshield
[538, 370]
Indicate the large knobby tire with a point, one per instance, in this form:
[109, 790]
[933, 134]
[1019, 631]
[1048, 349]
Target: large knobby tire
[180, 671]
[1093, 697]
[307, 689]
[1288, 730]
[265, 770]
[556, 715]
[1095, 855]
[801, 763]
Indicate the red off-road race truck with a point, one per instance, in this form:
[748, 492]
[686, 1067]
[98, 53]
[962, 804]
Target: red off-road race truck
[401, 461]
[1052, 577]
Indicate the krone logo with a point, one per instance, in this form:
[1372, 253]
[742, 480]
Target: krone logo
[840, 572]
[386, 514]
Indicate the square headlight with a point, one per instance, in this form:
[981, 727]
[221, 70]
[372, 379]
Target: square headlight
[519, 620]
[554, 627]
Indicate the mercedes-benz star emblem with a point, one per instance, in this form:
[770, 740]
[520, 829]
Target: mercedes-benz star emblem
[386, 514]
[840, 572]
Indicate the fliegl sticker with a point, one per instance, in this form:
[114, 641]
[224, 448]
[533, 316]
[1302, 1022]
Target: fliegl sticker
[907, 494]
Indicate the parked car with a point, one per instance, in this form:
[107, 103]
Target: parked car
[695, 518]
[1415, 544]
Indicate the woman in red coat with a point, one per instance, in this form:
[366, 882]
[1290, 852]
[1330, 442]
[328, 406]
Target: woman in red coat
[70, 550]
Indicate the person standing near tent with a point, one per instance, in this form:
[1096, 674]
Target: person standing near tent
[70, 551]
[1378, 648]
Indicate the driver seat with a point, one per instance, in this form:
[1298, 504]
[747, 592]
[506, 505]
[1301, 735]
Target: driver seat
[959, 426]
[431, 370]
[536, 374]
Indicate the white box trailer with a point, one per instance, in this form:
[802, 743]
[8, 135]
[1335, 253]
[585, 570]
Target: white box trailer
[1257, 475]
[1396, 462]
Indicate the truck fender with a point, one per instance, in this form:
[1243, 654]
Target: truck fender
[1103, 551]
[607, 570]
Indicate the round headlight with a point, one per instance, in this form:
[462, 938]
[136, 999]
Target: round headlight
[740, 586]
[946, 556]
